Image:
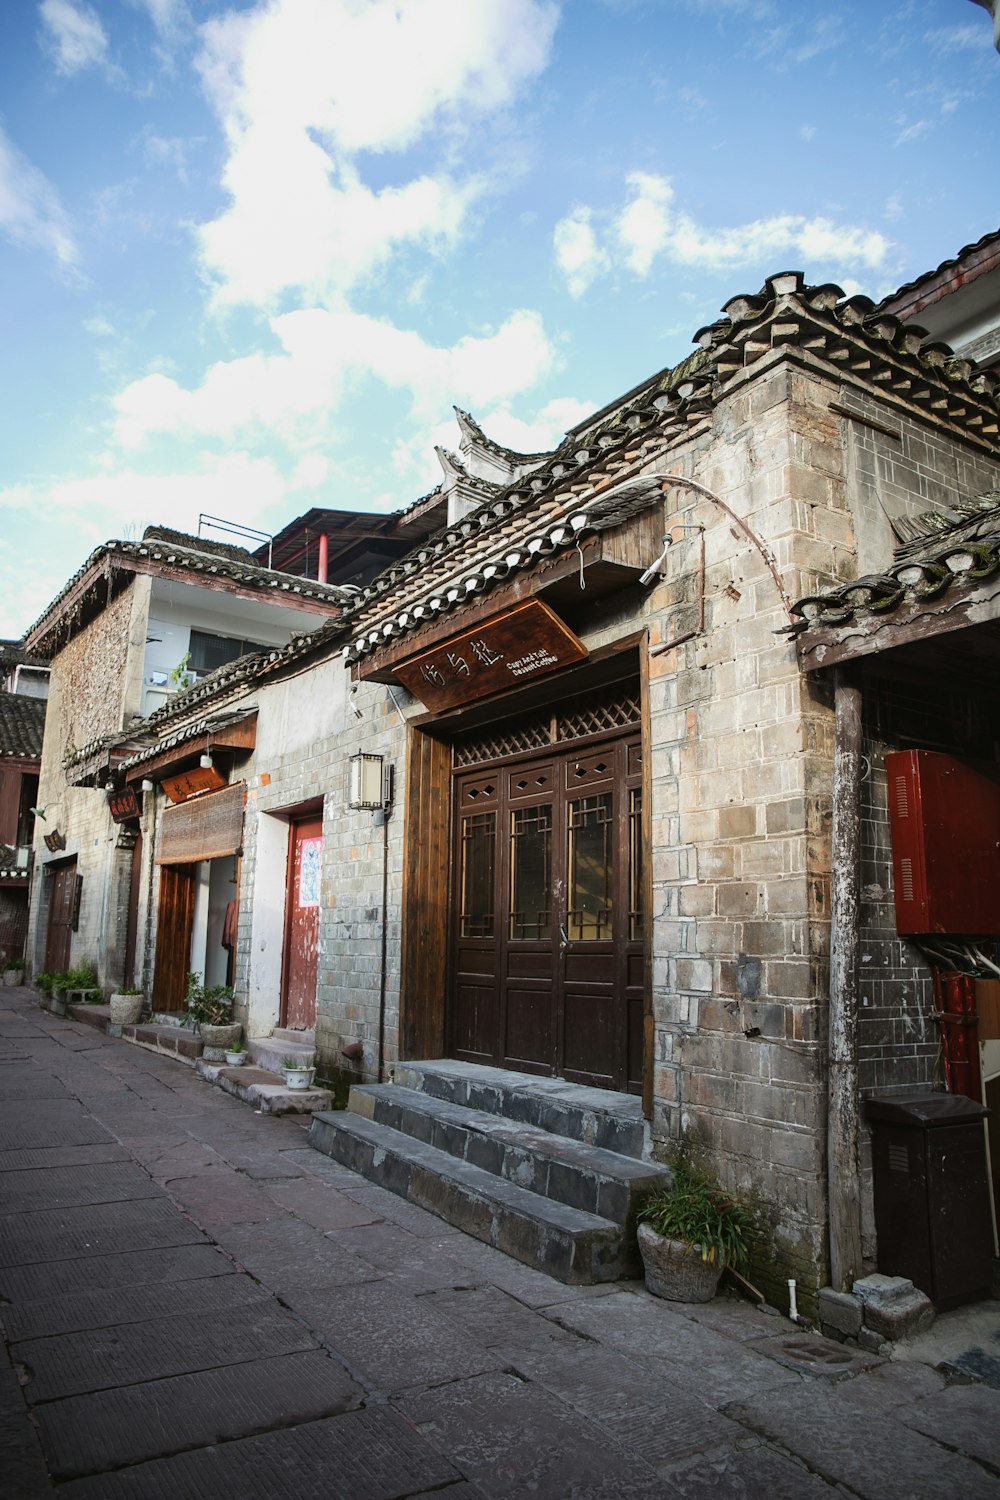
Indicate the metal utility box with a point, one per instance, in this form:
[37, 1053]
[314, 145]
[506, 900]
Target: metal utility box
[944, 816]
[932, 1202]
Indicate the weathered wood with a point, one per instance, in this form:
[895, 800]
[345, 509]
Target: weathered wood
[173, 936]
[842, 1120]
[648, 1035]
[516, 646]
[423, 961]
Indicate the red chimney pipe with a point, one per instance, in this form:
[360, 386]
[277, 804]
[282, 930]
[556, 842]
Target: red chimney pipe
[323, 546]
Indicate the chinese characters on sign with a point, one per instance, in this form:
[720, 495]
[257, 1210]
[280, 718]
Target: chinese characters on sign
[125, 805]
[528, 641]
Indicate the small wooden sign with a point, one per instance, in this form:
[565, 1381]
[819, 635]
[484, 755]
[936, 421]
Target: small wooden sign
[190, 783]
[126, 805]
[525, 642]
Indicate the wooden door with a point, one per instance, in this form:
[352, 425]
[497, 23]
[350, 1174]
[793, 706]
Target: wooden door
[305, 858]
[62, 903]
[174, 925]
[132, 918]
[547, 953]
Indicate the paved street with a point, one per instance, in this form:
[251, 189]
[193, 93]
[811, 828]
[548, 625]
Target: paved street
[196, 1304]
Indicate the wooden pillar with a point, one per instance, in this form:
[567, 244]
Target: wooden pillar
[842, 1119]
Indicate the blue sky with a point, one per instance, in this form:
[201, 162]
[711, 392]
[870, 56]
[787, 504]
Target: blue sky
[251, 255]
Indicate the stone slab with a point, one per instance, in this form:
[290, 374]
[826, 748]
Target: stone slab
[748, 1471]
[89, 1434]
[369, 1455]
[810, 1354]
[168, 1264]
[29, 1157]
[668, 1346]
[964, 1417]
[218, 1195]
[322, 1206]
[285, 1253]
[412, 1262]
[34, 1189]
[511, 1439]
[77, 1233]
[392, 1339]
[27, 1124]
[862, 1448]
[497, 1320]
[71, 1312]
[23, 1474]
[31, 1082]
[125, 1354]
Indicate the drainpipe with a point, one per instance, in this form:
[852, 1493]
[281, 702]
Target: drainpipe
[842, 1117]
[324, 546]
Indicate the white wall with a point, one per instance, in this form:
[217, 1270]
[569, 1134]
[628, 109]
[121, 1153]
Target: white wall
[267, 924]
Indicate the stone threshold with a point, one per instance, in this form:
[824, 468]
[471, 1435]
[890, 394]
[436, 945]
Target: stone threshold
[266, 1091]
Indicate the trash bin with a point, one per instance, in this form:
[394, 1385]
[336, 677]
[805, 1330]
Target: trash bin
[932, 1204]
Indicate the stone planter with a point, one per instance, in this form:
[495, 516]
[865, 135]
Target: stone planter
[675, 1269]
[125, 1009]
[218, 1040]
[57, 1002]
[12, 977]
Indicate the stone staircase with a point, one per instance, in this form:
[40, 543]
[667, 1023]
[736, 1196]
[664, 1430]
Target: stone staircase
[551, 1173]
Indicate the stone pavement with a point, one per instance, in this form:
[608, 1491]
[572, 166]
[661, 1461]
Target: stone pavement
[196, 1304]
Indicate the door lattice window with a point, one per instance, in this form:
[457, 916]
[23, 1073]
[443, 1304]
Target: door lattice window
[617, 708]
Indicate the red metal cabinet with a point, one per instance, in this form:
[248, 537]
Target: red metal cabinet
[944, 816]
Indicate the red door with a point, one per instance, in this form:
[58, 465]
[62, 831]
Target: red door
[305, 859]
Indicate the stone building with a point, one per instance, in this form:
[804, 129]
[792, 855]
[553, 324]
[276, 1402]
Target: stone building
[22, 720]
[554, 791]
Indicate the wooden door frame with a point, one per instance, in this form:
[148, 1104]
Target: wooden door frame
[295, 821]
[56, 873]
[174, 929]
[427, 844]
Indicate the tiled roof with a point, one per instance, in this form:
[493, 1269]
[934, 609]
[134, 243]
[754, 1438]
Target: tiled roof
[549, 509]
[22, 724]
[193, 729]
[992, 237]
[192, 555]
[940, 552]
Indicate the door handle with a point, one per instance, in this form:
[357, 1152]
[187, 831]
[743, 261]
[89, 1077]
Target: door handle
[562, 933]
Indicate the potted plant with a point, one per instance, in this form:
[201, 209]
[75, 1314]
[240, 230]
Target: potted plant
[689, 1232]
[13, 971]
[298, 1071]
[236, 1058]
[210, 1009]
[126, 1005]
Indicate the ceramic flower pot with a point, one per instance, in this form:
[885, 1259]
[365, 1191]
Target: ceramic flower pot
[236, 1059]
[298, 1078]
[675, 1269]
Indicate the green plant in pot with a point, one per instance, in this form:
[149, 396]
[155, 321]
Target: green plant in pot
[210, 1008]
[690, 1231]
[126, 1005]
[299, 1072]
[13, 971]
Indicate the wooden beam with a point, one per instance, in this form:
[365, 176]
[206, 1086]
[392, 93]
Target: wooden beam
[842, 1119]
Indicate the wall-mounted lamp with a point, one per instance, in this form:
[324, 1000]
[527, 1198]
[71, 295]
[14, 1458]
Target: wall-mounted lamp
[146, 784]
[109, 786]
[366, 789]
[205, 761]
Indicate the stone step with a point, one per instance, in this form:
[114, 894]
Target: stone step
[267, 1051]
[266, 1091]
[571, 1245]
[597, 1117]
[565, 1170]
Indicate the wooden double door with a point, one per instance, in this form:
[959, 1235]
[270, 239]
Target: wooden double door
[547, 914]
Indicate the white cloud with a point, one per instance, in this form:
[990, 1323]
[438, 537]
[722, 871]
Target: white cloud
[30, 212]
[807, 132]
[578, 254]
[650, 228]
[969, 36]
[293, 394]
[73, 36]
[303, 87]
[169, 17]
[912, 132]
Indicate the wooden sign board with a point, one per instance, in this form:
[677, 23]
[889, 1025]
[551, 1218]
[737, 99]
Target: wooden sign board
[126, 805]
[190, 783]
[523, 643]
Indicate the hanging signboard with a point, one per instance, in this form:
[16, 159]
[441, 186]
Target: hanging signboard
[190, 783]
[507, 651]
[126, 805]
